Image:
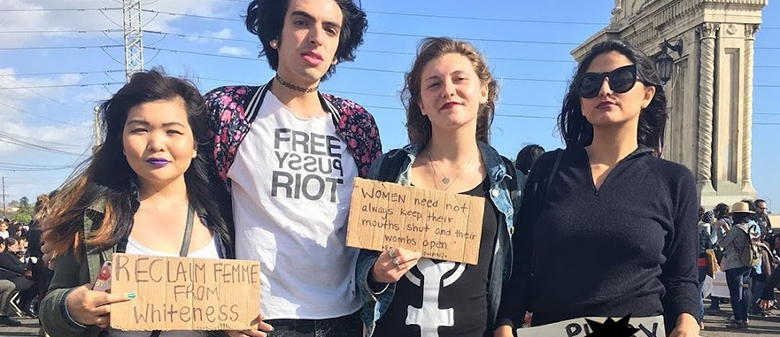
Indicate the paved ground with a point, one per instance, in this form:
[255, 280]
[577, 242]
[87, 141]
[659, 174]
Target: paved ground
[714, 325]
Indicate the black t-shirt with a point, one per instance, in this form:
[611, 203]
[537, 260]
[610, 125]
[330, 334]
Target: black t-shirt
[456, 303]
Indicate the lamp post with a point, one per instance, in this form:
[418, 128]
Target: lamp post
[664, 64]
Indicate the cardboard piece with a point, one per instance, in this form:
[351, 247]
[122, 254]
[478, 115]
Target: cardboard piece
[179, 293]
[441, 225]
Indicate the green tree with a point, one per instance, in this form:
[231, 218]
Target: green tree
[25, 212]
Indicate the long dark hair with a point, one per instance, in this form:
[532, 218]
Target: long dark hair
[575, 128]
[108, 175]
[265, 19]
[418, 126]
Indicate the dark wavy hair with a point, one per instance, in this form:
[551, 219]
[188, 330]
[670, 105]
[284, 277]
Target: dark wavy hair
[418, 126]
[721, 210]
[108, 175]
[575, 128]
[527, 156]
[265, 18]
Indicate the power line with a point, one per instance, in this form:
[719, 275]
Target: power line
[180, 35]
[28, 145]
[81, 31]
[40, 142]
[191, 15]
[40, 116]
[75, 72]
[32, 168]
[62, 47]
[65, 85]
[61, 9]
[19, 86]
[497, 115]
[490, 19]
[377, 33]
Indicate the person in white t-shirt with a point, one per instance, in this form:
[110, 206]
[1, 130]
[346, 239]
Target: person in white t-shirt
[289, 155]
[4, 229]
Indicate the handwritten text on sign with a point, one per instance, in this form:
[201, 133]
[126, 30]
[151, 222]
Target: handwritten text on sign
[441, 225]
[177, 293]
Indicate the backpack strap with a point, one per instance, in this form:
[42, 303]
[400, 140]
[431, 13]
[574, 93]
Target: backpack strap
[390, 166]
[541, 193]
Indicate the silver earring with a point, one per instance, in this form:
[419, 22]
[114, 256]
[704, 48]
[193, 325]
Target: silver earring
[274, 44]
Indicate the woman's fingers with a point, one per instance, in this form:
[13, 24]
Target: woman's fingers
[393, 263]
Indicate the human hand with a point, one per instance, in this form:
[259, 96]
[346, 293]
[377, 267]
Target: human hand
[394, 263]
[687, 326]
[764, 304]
[263, 329]
[89, 307]
[48, 256]
[503, 331]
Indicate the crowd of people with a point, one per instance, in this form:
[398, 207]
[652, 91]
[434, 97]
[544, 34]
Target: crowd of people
[226, 175]
[739, 241]
[23, 278]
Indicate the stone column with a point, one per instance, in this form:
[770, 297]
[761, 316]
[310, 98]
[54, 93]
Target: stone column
[707, 33]
[750, 39]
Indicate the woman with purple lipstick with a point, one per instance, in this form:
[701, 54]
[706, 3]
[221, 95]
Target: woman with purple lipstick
[146, 190]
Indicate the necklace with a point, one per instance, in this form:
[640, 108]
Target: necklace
[446, 180]
[291, 86]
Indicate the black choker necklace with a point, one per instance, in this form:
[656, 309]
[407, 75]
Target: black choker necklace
[291, 86]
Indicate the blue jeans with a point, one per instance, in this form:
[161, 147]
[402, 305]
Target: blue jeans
[345, 326]
[702, 276]
[737, 279]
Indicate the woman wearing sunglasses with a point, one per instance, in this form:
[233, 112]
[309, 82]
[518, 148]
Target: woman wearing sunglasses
[622, 220]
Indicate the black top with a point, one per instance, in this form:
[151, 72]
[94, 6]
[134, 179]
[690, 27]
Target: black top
[460, 306]
[13, 267]
[629, 247]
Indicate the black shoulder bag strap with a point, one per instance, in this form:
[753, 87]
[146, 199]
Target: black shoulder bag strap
[540, 194]
[185, 247]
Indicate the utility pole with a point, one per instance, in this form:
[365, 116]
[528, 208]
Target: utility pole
[134, 46]
[3, 196]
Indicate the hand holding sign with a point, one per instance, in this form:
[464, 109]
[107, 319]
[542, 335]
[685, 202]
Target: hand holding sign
[263, 328]
[88, 307]
[393, 263]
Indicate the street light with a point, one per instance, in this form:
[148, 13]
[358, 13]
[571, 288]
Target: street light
[664, 64]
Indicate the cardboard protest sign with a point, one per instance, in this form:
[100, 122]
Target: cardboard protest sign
[179, 293]
[441, 225]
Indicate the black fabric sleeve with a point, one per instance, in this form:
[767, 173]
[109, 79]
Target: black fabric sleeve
[12, 263]
[679, 272]
[514, 298]
[771, 283]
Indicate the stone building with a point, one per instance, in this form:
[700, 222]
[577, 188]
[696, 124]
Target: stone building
[710, 92]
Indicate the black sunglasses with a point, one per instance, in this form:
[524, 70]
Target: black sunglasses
[621, 80]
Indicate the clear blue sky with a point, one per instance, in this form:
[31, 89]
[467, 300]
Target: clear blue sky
[531, 59]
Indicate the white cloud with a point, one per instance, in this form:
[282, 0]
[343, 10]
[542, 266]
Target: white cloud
[222, 34]
[93, 20]
[235, 51]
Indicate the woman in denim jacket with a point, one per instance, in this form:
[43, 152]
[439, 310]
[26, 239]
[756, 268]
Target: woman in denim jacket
[449, 95]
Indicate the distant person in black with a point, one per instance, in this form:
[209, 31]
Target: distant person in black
[526, 158]
[763, 218]
[616, 233]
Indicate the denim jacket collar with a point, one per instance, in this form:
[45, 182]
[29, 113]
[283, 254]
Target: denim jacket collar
[494, 165]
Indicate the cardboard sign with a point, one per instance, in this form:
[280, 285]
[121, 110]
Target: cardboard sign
[441, 225]
[179, 293]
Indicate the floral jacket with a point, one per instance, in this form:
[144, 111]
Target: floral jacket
[233, 108]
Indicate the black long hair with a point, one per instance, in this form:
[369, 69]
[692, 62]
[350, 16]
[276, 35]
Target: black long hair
[108, 175]
[575, 128]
